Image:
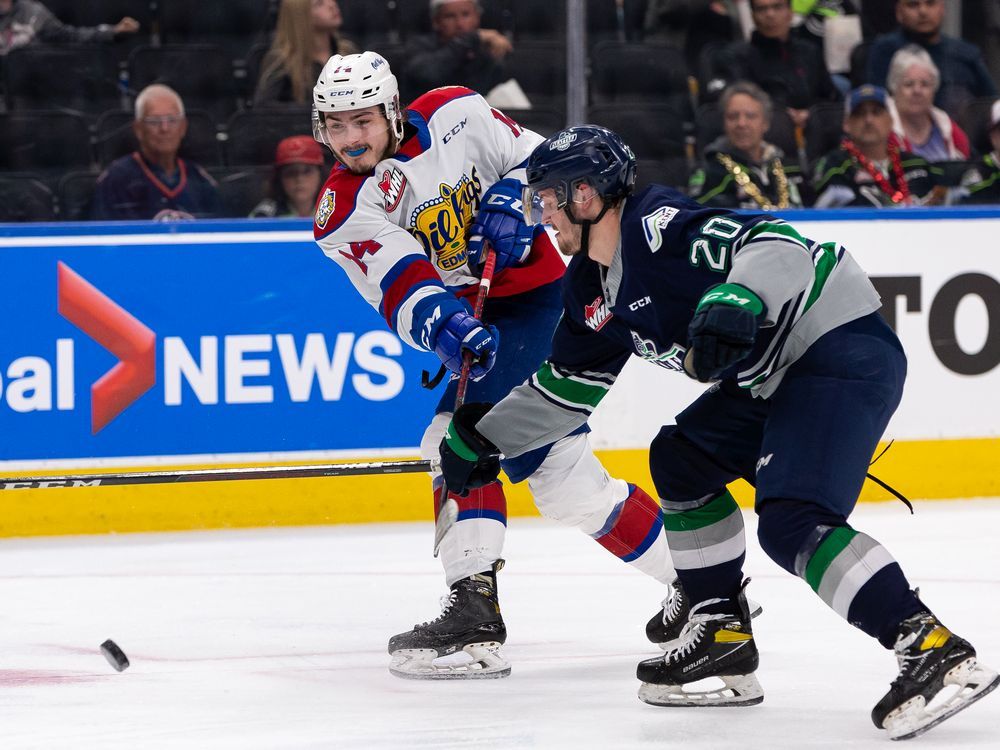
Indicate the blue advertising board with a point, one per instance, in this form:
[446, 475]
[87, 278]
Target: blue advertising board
[120, 340]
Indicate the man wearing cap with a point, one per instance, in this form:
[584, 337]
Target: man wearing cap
[297, 178]
[868, 170]
[458, 53]
[982, 183]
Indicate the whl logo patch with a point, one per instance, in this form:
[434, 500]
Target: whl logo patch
[392, 185]
[596, 314]
[118, 331]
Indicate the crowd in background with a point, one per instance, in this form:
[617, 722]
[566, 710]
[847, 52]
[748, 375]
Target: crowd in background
[128, 109]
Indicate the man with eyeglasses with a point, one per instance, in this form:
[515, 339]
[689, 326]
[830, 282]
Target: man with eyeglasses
[153, 182]
[964, 75]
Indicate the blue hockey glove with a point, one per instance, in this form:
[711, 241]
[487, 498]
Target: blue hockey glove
[461, 332]
[723, 330]
[500, 224]
[468, 459]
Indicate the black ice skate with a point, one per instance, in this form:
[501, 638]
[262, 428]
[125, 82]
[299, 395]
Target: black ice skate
[468, 634]
[665, 626]
[933, 662]
[712, 644]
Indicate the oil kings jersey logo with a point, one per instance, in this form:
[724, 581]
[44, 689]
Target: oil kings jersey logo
[325, 208]
[442, 223]
[596, 314]
[673, 359]
[392, 185]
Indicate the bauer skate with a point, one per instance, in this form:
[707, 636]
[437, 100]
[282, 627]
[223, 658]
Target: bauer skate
[716, 642]
[463, 642]
[934, 663]
[665, 626]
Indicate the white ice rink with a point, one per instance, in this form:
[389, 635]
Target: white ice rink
[276, 639]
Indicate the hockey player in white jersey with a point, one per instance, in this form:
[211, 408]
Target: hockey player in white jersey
[407, 213]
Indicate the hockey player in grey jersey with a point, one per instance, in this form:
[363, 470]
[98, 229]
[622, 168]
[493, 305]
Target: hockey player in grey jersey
[805, 375]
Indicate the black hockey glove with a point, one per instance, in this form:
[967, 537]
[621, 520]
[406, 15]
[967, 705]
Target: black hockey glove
[468, 459]
[722, 331]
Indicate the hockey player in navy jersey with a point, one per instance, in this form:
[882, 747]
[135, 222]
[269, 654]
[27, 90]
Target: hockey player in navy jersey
[407, 213]
[805, 375]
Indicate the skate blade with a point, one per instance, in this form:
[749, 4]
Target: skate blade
[913, 718]
[484, 662]
[738, 690]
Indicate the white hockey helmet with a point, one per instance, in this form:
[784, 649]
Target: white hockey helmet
[349, 82]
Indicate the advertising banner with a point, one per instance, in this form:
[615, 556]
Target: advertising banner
[215, 338]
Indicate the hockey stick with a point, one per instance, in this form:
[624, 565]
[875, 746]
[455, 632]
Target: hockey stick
[448, 512]
[217, 475]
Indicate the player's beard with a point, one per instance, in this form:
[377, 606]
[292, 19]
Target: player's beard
[568, 240]
[360, 165]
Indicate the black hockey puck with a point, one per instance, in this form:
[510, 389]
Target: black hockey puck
[115, 656]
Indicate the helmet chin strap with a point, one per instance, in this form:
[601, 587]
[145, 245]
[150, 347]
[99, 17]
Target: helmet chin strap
[585, 224]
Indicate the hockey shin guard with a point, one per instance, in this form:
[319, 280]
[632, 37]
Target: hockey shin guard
[707, 544]
[854, 574]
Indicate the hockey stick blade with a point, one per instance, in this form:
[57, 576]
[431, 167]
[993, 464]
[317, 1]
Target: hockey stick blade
[217, 475]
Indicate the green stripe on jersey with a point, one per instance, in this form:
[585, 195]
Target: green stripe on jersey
[715, 510]
[770, 227]
[569, 390]
[832, 546]
[825, 264]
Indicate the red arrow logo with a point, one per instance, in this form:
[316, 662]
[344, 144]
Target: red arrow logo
[114, 328]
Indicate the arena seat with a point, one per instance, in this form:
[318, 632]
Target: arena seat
[25, 197]
[253, 135]
[71, 78]
[47, 141]
[74, 193]
[201, 73]
[636, 73]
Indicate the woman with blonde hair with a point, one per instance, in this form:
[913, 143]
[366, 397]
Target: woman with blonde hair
[307, 35]
[919, 126]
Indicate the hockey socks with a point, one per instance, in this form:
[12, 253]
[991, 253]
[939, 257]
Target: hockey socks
[854, 574]
[487, 502]
[707, 544]
[633, 526]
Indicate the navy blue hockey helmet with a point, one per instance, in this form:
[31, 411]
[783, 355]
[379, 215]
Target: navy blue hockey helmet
[582, 153]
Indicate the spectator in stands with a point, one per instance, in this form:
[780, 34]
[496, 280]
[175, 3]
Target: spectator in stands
[982, 183]
[869, 169]
[298, 176]
[963, 73]
[790, 70]
[920, 127]
[741, 169]
[307, 35]
[458, 53]
[691, 25]
[24, 22]
[154, 182]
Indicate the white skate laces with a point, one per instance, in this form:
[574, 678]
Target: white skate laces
[446, 602]
[672, 604]
[693, 631]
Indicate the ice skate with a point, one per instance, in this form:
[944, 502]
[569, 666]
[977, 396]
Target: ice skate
[665, 626]
[463, 642]
[938, 677]
[712, 644]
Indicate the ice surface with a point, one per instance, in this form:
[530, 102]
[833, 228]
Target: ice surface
[276, 639]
